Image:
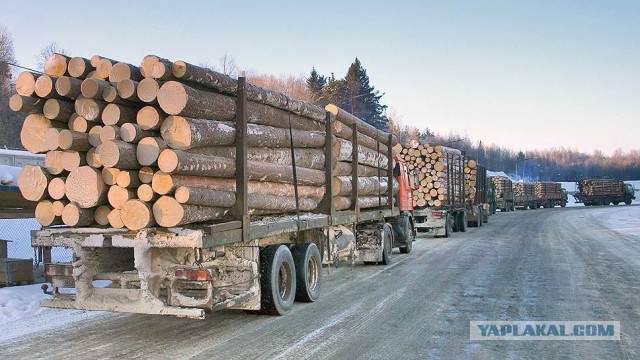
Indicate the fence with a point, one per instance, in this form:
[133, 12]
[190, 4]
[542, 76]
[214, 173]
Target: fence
[18, 231]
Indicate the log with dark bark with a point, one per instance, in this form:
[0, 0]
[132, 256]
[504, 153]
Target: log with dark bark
[75, 215]
[367, 186]
[122, 71]
[115, 219]
[26, 104]
[149, 149]
[133, 133]
[92, 88]
[33, 182]
[146, 174]
[128, 179]
[58, 110]
[79, 67]
[69, 87]
[93, 159]
[73, 140]
[85, 187]
[44, 214]
[205, 197]
[169, 213]
[126, 89]
[103, 68]
[109, 133]
[89, 109]
[145, 193]
[365, 202]
[369, 130]
[146, 66]
[117, 196]
[118, 154]
[343, 151]
[56, 65]
[45, 87]
[101, 215]
[94, 135]
[344, 131]
[305, 158]
[342, 168]
[26, 83]
[110, 175]
[115, 114]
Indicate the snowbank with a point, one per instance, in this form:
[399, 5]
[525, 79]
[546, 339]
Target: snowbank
[9, 175]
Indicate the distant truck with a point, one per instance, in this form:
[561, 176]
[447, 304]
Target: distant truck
[601, 191]
[476, 183]
[550, 194]
[524, 196]
[503, 193]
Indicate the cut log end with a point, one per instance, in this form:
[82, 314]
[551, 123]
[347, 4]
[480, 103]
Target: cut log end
[33, 182]
[56, 188]
[172, 97]
[148, 90]
[45, 215]
[137, 215]
[149, 118]
[179, 68]
[56, 65]
[101, 215]
[74, 215]
[85, 187]
[168, 161]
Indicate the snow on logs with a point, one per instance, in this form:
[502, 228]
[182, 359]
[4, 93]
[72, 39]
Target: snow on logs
[135, 147]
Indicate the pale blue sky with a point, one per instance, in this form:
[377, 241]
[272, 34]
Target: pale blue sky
[523, 74]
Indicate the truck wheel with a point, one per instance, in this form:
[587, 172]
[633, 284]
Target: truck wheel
[627, 201]
[564, 204]
[462, 225]
[408, 238]
[480, 218]
[277, 280]
[387, 240]
[308, 262]
[513, 207]
[448, 228]
[493, 209]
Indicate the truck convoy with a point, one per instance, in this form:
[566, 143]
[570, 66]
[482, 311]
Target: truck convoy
[247, 192]
[603, 191]
[550, 194]
[504, 199]
[524, 196]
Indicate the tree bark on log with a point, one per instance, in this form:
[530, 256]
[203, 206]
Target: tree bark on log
[205, 197]
[93, 159]
[109, 133]
[367, 186]
[44, 214]
[133, 133]
[127, 91]
[146, 66]
[225, 84]
[94, 135]
[79, 67]
[93, 88]
[103, 69]
[345, 132]
[78, 123]
[74, 215]
[33, 182]
[118, 154]
[34, 129]
[110, 175]
[180, 162]
[117, 196]
[169, 213]
[150, 118]
[26, 83]
[164, 183]
[342, 168]
[115, 114]
[73, 140]
[149, 149]
[185, 133]
[146, 175]
[46, 87]
[89, 109]
[128, 179]
[305, 158]
[101, 215]
[179, 99]
[123, 71]
[137, 215]
[85, 187]
[369, 130]
[56, 65]
[343, 151]
[58, 110]
[162, 71]
[26, 104]
[344, 203]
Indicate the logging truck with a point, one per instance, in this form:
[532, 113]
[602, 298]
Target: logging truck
[186, 191]
[604, 191]
[478, 207]
[524, 196]
[550, 194]
[503, 193]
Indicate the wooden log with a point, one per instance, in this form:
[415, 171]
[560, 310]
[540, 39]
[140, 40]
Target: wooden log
[225, 84]
[118, 154]
[94, 135]
[145, 193]
[149, 149]
[342, 168]
[51, 139]
[117, 196]
[58, 207]
[78, 123]
[162, 71]
[85, 187]
[367, 186]
[344, 203]
[95, 60]
[343, 149]
[26, 104]
[179, 99]
[93, 159]
[73, 140]
[205, 197]
[369, 130]
[137, 215]
[164, 183]
[45, 87]
[180, 162]
[110, 175]
[34, 129]
[126, 89]
[59, 110]
[74, 215]
[110, 95]
[72, 160]
[306, 158]
[146, 174]
[26, 83]
[56, 188]
[79, 67]
[101, 215]
[109, 133]
[115, 114]
[103, 69]
[89, 109]
[146, 66]
[33, 182]
[56, 65]
[133, 133]
[128, 179]
[148, 90]
[150, 118]
[92, 88]
[44, 214]
[53, 162]
[115, 219]
[185, 133]
[122, 71]
[169, 213]
[345, 132]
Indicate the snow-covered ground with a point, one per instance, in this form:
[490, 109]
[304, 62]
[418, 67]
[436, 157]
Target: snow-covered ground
[9, 174]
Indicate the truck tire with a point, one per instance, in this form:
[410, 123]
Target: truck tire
[627, 201]
[563, 204]
[480, 218]
[277, 280]
[462, 224]
[448, 229]
[387, 240]
[407, 226]
[308, 262]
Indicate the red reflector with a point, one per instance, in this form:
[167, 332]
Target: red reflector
[194, 274]
[436, 214]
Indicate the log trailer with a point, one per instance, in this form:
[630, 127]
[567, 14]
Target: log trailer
[550, 194]
[524, 196]
[601, 191]
[504, 193]
[478, 208]
[249, 263]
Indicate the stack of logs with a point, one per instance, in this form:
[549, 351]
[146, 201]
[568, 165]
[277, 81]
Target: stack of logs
[436, 173]
[471, 177]
[503, 185]
[524, 191]
[548, 190]
[136, 147]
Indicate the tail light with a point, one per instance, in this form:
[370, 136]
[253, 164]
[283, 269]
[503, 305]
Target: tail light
[435, 213]
[193, 274]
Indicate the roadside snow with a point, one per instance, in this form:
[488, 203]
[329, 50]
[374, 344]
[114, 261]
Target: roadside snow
[9, 175]
[21, 314]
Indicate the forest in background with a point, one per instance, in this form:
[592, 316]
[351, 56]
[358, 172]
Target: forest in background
[356, 94]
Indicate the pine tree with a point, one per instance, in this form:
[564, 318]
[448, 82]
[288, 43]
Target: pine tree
[316, 84]
[363, 100]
